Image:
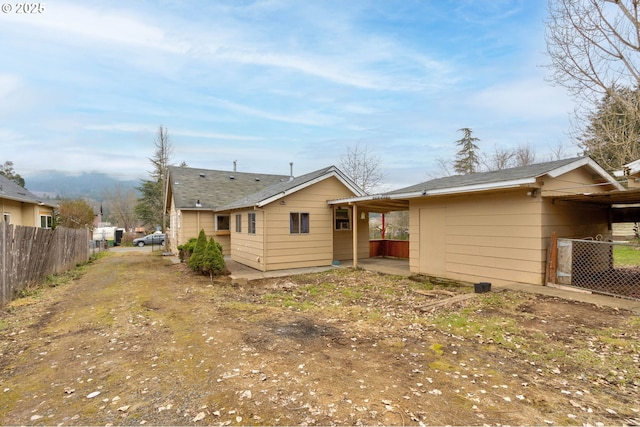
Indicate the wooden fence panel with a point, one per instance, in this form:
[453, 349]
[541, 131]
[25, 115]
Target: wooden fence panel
[29, 254]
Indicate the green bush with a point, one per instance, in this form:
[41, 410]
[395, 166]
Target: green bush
[185, 251]
[212, 260]
[195, 260]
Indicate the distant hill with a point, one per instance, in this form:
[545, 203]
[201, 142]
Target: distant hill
[86, 185]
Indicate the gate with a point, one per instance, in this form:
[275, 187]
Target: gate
[611, 268]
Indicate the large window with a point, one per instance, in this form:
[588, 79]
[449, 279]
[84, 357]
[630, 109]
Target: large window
[46, 221]
[238, 223]
[343, 219]
[223, 222]
[251, 223]
[298, 222]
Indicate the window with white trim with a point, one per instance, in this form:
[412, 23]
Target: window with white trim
[6, 217]
[299, 222]
[46, 221]
[223, 222]
[343, 218]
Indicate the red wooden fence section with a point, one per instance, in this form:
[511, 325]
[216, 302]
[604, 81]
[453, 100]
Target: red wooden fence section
[390, 248]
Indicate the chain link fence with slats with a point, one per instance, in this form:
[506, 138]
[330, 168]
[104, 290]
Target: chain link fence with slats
[611, 268]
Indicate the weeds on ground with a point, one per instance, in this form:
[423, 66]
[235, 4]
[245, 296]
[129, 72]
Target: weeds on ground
[34, 290]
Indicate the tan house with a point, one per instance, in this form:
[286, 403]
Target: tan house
[21, 207]
[495, 226]
[268, 222]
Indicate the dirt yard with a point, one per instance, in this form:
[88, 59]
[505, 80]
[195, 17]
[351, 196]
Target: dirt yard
[139, 340]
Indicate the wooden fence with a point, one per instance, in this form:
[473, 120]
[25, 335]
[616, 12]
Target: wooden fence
[30, 254]
[389, 248]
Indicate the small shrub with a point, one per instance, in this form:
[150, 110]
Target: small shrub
[212, 259]
[195, 260]
[185, 251]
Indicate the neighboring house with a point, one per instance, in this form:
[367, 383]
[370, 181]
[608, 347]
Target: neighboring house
[495, 226]
[630, 172]
[21, 207]
[268, 222]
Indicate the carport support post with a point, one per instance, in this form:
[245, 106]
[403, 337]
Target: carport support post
[552, 258]
[354, 231]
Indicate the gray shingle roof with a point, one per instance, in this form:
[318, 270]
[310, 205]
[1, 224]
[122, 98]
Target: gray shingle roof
[12, 191]
[504, 175]
[215, 188]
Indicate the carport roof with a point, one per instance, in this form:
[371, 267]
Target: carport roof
[616, 197]
[522, 176]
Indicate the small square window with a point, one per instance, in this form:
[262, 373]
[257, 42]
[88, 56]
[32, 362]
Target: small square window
[46, 221]
[222, 222]
[299, 223]
[343, 219]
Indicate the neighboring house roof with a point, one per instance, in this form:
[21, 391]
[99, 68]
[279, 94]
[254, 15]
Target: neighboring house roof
[630, 169]
[214, 188]
[12, 191]
[500, 179]
[277, 191]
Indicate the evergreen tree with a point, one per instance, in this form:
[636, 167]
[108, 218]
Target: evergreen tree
[467, 160]
[150, 207]
[612, 136]
[7, 171]
[212, 260]
[196, 258]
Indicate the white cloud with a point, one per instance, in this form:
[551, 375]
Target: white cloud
[530, 98]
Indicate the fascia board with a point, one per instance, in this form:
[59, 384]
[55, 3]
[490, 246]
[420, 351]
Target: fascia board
[26, 200]
[481, 187]
[442, 191]
[589, 162]
[301, 186]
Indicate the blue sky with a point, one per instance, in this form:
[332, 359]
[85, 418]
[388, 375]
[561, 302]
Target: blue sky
[85, 85]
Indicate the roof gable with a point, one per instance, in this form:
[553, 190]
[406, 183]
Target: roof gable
[279, 190]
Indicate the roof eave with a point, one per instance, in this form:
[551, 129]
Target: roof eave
[585, 161]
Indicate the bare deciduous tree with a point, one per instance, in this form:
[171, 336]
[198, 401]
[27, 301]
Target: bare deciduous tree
[362, 167]
[594, 49]
[120, 202]
[524, 155]
[593, 46]
[501, 158]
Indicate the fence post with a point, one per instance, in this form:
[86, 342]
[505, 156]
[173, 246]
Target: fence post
[552, 258]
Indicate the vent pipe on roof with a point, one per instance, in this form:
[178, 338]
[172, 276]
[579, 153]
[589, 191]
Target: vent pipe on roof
[291, 171]
[235, 163]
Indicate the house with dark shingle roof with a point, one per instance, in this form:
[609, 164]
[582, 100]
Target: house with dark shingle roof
[496, 226]
[21, 207]
[268, 222]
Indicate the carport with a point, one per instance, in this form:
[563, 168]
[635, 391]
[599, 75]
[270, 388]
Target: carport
[599, 264]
